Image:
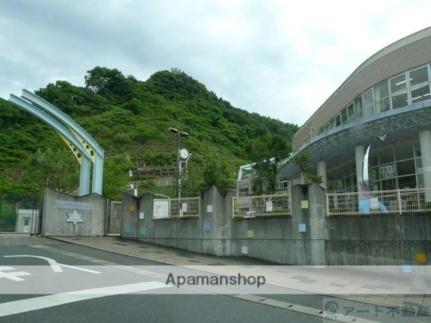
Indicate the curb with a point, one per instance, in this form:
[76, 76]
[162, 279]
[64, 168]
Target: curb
[111, 251]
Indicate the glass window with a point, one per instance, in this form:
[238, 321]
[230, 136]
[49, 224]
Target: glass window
[406, 167]
[398, 84]
[344, 115]
[404, 150]
[417, 149]
[358, 107]
[420, 94]
[420, 181]
[389, 184]
[367, 103]
[332, 124]
[350, 112]
[381, 95]
[418, 76]
[337, 121]
[373, 160]
[399, 101]
[374, 174]
[407, 182]
[386, 155]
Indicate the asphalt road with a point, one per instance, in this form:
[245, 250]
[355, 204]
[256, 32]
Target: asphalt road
[123, 308]
[110, 274]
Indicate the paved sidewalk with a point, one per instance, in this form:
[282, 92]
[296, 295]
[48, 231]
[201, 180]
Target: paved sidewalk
[185, 258]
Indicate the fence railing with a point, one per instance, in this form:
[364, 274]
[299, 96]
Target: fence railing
[261, 206]
[379, 202]
[187, 207]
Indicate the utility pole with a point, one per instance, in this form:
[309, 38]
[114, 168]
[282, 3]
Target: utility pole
[179, 134]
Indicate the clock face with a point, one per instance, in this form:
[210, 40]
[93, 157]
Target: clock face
[184, 153]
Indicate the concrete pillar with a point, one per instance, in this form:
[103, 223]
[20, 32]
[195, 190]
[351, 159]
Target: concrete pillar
[84, 177]
[425, 142]
[321, 171]
[97, 183]
[317, 223]
[359, 160]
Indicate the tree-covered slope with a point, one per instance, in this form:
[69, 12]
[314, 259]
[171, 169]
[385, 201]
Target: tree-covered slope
[130, 119]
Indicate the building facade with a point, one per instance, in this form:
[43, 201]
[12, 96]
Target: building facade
[385, 104]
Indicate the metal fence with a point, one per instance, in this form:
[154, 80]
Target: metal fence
[187, 207]
[261, 206]
[379, 202]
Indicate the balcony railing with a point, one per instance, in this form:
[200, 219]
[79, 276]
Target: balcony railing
[261, 206]
[379, 202]
[188, 207]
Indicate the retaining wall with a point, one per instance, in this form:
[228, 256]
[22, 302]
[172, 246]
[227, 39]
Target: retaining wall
[347, 240]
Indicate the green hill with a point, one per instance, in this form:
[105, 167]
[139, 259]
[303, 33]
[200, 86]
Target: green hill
[130, 119]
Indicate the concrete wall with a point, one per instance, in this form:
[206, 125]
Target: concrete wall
[113, 216]
[377, 239]
[360, 240]
[129, 219]
[60, 210]
[280, 239]
[205, 234]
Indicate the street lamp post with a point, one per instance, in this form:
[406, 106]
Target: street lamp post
[179, 134]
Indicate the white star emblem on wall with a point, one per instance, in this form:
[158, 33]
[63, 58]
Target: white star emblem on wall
[74, 217]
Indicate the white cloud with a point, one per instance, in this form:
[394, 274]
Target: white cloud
[278, 58]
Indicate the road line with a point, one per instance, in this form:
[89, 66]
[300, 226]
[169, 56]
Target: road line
[37, 303]
[52, 263]
[79, 268]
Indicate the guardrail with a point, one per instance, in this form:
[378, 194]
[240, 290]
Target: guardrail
[187, 207]
[379, 202]
[261, 206]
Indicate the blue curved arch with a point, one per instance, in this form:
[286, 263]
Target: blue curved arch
[68, 121]
[93, 148]
[63, 131]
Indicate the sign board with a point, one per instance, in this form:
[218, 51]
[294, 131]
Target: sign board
[72, 205]
[161, 209]
[268, 206]
[210, 208]
[387, 172]
[302, 227]
[250, 234]
[184, 207]
[207, 226]
[304, 204]
[374, 203]
[141, 215]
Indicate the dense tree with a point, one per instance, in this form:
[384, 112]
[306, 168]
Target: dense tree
[218, 172]
[266, 151]
[131, 118]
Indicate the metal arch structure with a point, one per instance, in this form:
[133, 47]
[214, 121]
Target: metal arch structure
[86, 150]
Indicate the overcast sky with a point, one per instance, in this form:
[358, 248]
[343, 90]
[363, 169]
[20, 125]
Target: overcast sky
[278, 58]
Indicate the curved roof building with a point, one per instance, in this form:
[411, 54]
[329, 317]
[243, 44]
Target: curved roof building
[385, 103]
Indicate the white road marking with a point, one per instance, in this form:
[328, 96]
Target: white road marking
[52, 263]
[37, 303]
[79, 268]
[55, 266]
[14, 275]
